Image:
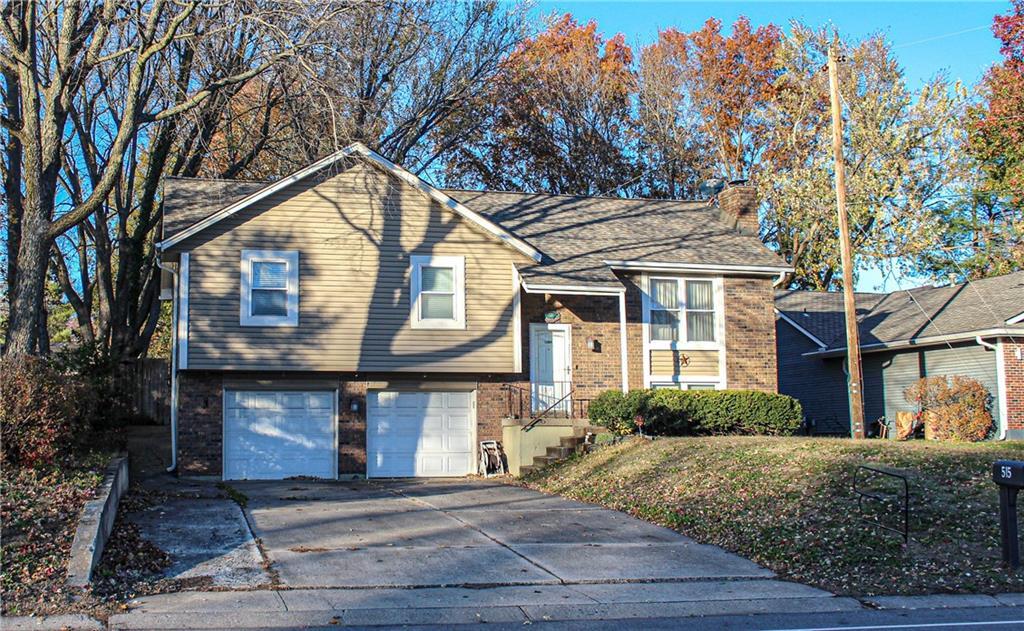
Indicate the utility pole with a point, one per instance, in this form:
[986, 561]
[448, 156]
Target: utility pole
[855, 374]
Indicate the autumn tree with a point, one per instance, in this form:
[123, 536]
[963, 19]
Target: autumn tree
[557, 119]
[901, 151]
[984, 218]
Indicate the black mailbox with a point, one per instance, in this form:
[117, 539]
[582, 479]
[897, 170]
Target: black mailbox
[1009, 475]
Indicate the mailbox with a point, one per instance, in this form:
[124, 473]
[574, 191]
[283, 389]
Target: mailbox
[1009, 475]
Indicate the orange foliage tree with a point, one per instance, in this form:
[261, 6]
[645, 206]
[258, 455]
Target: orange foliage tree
[557, 119]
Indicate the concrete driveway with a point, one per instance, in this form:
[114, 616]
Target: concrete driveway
[464, 533]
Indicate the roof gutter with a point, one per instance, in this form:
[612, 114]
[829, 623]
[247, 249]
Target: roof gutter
[922, 341]
[574, 290]
[647, 266]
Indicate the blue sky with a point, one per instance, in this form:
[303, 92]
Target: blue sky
[928, 37]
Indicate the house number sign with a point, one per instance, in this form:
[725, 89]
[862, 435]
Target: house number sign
[552, 316]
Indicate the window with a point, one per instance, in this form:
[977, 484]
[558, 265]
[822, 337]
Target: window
[664, 310]
[438, 292]
[673, 385]
[681, 310]
[270, 288]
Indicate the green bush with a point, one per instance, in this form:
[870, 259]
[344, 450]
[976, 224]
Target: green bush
[704, 412]
[44, 411]
[618, 412]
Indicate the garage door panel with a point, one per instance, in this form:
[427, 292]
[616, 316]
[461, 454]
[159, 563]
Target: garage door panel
[279, 434]
[420, 434]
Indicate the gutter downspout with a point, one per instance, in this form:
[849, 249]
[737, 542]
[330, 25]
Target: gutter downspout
[1000, 382]
[174, 365]
[623, 355]
[778, 279]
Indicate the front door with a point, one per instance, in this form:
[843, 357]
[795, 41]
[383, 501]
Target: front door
[551, 367]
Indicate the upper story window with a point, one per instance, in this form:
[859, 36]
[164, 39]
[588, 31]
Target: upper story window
[438, 292]
[681, 310]
[270, 288]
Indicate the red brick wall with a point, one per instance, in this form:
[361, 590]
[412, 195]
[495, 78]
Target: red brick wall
[200, 423]
[750, 334]
[1014, 371]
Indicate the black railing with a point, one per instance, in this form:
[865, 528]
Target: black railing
[549, 400]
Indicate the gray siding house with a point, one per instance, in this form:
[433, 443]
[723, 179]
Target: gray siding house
[975, 330]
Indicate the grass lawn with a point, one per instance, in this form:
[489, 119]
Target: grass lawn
[787, 503]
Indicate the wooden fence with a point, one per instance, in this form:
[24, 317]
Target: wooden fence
[147, 382]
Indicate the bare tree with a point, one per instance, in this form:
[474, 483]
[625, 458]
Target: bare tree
[93, 93]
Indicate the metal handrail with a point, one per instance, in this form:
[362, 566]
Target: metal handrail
[540, 417]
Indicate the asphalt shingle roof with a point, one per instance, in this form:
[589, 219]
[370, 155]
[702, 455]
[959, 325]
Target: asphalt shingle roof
[580, 233]
[910, 314]
[576, 234]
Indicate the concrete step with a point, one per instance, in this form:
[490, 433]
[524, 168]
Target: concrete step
[561, 452]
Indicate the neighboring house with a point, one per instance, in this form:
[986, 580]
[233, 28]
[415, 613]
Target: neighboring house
[974, 329]
[352, 319]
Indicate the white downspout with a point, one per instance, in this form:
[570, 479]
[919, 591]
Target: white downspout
[174, 365]
[1004, 418]
[624, 357]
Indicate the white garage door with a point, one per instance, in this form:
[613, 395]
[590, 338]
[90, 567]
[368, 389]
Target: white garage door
[411, 434]
[281, 434]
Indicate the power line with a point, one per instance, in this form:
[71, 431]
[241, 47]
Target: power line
[943, 36]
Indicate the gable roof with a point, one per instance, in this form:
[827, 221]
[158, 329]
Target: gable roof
[576, 242]
[921, 315]
[354, 150]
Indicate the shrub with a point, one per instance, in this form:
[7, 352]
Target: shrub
[954, 407]
[44, 411]
[617, 411]
[98, 372]
[680, 412]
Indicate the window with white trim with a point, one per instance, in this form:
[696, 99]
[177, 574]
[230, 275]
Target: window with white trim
[437, 292]
[676, 385]
[681, 310]
[270, 288]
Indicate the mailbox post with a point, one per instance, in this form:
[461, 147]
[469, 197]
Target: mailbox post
[1009, 475]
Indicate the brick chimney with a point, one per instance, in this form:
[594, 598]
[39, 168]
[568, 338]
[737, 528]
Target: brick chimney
[737, 207]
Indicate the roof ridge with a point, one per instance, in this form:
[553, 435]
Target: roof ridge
[220, 179]
[706, 202]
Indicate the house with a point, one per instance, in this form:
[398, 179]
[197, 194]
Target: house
[351, 319]
[973, 329]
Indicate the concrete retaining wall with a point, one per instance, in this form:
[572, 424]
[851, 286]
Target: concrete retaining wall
[96, 523]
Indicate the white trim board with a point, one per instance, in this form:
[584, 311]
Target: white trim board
[573, 290]
[357, 149]
[667, 267]
[921, 341]
[801, 329]
[182, 324]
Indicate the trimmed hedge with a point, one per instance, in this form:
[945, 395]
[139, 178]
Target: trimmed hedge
[697, 412]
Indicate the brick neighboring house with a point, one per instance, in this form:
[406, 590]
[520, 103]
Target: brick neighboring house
[975, 330]
[351, 319]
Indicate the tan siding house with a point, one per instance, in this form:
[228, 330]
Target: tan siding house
[352, 320]
[355, 232]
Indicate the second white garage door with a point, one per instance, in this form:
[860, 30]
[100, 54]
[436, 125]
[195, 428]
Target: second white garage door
[413, 434]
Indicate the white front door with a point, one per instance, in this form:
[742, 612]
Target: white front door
[272, 435]
[551, 367]
[414, 434]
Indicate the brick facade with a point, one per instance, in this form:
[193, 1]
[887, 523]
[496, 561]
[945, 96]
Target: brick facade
[750, 346]
[750, 355]
[1013, 369]
[200, 423]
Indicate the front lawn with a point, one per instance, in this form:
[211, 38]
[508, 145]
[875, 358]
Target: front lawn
[39, 512]
[787, 503]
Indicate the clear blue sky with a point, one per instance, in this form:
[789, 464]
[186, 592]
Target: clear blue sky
[928, 37]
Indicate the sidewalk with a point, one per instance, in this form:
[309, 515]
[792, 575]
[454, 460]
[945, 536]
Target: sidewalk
[749, 601]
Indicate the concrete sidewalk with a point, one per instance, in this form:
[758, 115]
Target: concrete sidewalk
[453, 605]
